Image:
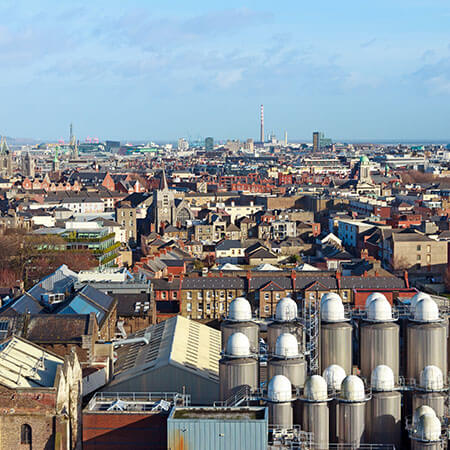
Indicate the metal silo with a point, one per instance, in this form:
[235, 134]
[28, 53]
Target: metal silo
[279, 400]
[334, 376]
[287, 361]
[384, 410]
[315, 414]
[286, 321]
[240, 320]
[238, 367]
[426, 431]
[351, 411]
[426, 339]
[431, 391]
[335, 335]
[379, 339]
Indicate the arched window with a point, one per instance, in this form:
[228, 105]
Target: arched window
[25, 434]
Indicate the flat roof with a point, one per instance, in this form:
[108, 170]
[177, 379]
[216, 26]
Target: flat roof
[218, 413]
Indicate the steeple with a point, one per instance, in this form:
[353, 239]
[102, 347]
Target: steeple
[56, 160]
[163, 186]
[4, 150]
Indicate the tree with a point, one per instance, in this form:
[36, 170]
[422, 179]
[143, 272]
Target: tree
[30, 257]
[294, 259]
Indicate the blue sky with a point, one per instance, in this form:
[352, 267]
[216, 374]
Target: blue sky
[158, 70]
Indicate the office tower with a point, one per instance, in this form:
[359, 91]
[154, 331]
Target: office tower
[320, 141]
[209, 144]
[285, 139]
[316, 141]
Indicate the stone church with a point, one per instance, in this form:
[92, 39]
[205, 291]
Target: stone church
[168, 210]
[6, 162]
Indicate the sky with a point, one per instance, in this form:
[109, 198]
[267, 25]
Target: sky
[160, 70]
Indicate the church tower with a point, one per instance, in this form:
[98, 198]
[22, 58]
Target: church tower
[6, 164]
[364, 170]
[55, 165]
[163, 203]
[28, 166]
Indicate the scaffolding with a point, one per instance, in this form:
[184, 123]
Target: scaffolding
[311, 319]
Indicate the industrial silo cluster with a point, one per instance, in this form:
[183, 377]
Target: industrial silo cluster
[382, 375]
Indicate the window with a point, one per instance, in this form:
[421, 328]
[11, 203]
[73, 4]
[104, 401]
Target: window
[428, 248]
[221, 306]
[174, 294]
[419, 247]
[266, 296]
[267, 308]
[418, 257]
[200, 295]
[25, 434]
[222, 295]
[277, 296]
[188, 307]
[428, 259]
[189, 295]
[163, 295]
[200, 307]
[230, 295]
[208, 294]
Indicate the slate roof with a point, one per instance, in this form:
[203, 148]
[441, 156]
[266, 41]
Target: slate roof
[54, 328]
[126, 303]
[229, 244]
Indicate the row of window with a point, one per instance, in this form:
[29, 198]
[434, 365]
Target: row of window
[209, 294]
[419, 248]
[209, 307]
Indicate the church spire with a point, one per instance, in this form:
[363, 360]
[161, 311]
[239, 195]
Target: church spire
[163, 186]
[3, 146]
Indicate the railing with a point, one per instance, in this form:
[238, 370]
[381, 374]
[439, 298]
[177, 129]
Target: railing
[140, 397]
[243, 394]
[76, 238]
[292, 437]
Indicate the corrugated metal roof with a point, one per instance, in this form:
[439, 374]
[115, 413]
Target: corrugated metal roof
[184, 342]
[23, 364]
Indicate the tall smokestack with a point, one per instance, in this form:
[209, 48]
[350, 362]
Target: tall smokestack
[261, 137]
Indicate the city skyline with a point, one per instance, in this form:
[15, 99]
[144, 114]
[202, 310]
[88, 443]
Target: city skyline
[372, 72]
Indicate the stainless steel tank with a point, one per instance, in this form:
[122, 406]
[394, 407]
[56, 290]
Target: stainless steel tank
[351, 423]
[426, 345]
[336, 345]
[379, 344]
[235, 373]
[281, 414]
[383, 423]
[293, 368]
[334, 429]
[420, 445]
[250, 329]
[435, 400]
[316, 420]
[277, 328]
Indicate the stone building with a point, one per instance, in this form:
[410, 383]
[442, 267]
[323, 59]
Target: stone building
[40, 398]
[6, 162]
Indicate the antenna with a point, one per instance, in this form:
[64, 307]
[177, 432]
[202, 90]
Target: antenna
[261, 136]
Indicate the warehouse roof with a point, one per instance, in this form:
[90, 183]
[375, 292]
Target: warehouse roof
[176, 341]
[23, 364]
